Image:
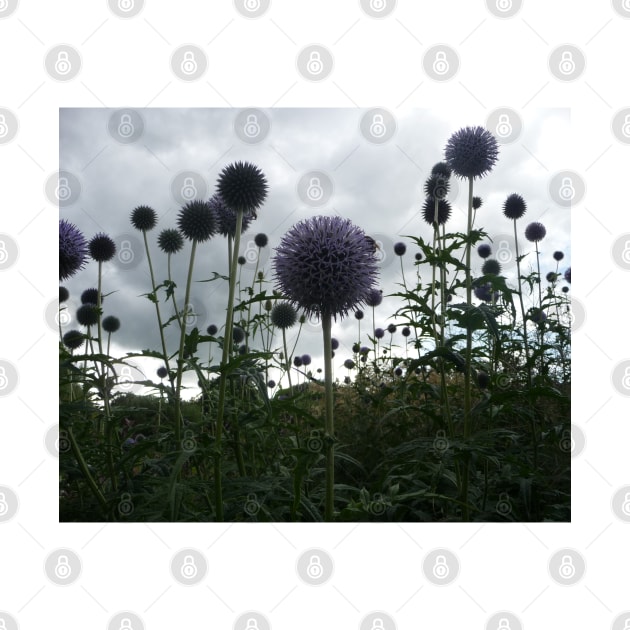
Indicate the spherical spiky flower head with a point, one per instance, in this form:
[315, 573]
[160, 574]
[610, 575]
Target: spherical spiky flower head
[271, 383]
[73, 339]
[212, 330]
[170, 241]
[391, 329]
[162, 372]
[428, 210]
[306, 359]
[64, 294]
[552, 277]
[558, 256]
[418, 256]
[102, 247]
[491, 267]
[535, 232]
[374, 297]
[349, 364]
[400, 249]
[91, 296]
[143, 218]
[484, 292]
[567, 275]
[406, 331]
[73, 249]
[537, 315]
[242, 186]
[514, 207]
[484, 250]
[379, 333]
[326, 265]
[87, 314]
[261, 240]
[297, 361]
[477, 202]
[227, 217]
[241, 260]
[197, 221]
[238, 334]
[359, 314]
[283, 315]
[441, 168]
[437, 186]
[334, 343]
[471, 152]
[110, 324]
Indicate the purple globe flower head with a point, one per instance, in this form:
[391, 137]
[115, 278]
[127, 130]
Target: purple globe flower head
[261, 239]
[226, 217]
[238, 334]
[326, 265]
[379, 333]
[73, 249]
[102, 247]
[552, 277]
[87, 314]
[110, 324]
[162, 372]
[297, 361]
[349, 364]
[441, 168]
[406, 331]
[241, 260]
[363, 350]
[400, 249]
[143, 218]
[565, 289]
[428, 211]
[476, 203]
[64, 294]
[283, 315]
[398, 371]
[212, 330]
[535, 232]
[558, 256]
[483, 292]
[91, 296]
[484, 250]
[271, 383]
[347, 380]
[334, 343]
[471, 152]
[197, 221]
[243, 187]
[418, 256]
[358, 314]
[537, 315]
[170, 241]
[242, 349]
[356, 347]
[306, 359]
[567, 275]
[514, 207]
[374, 297]
[491, 267]
[73, 339]
[437, 186]
[391, 329]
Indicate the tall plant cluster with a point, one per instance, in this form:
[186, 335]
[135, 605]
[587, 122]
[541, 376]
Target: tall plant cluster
[454, 409]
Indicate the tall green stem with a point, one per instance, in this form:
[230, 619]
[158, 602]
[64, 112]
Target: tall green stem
[329, 432]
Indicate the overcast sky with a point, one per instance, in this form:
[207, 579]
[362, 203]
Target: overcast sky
[168, 154]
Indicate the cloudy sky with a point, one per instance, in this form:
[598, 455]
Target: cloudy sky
[317, 161]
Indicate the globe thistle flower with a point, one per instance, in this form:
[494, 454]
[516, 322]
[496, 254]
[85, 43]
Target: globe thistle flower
[241, 260]
[271, 383]
[91, 296]
[334, 343]
[143, 218]
[374, 297]
[418, 256]
[558, 256]
[535, 232]
[565, 289]
[110, 324]
[476, 203]
[567, 275]
[242, 349]
[484, 292]
[398, 371]
[349, 364]
[306, 359]
[73, 249]
[326, 265]
[441, 168]
[379, 333]
[197, 221]
[170, 241]
[261, 240]
[437, 186]
[484, 250]
[347, 380]
[102, 247]
[391, 329]
[552, 277]
[356, 347]
[212, 330]
[64, 294]
[73, 339]
[162, 372]
[358, 314]
[514, 207]
[491, 267]
[243, 187]
[471, 152]
[537, 315]
[400, 249]
[283, 315]
[238, 334]
[227, 217]
[297, 361]
[428, 210]
[87, 314]
[406, 331]
[364, 350]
